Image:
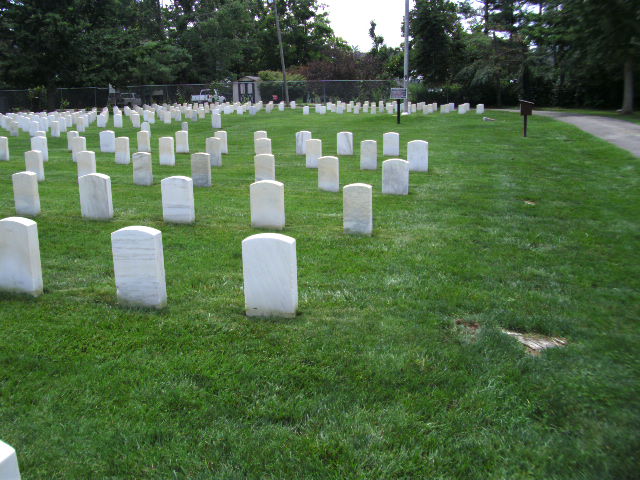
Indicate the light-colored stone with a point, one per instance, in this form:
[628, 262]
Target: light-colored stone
[4, 149]
[357, 209]
[368, 154]
[222, 135]
[8, 463]
[177, 200]
[345, 143]
[480, 108]
[265, 166]
[33, 163]
[259, 134]
[267, 204]
[270, 272]
[108, 141]
[182, 142]
[135, 120]
[78, 144]
[40, 143]
[117, 120]
[20, 269]
[418, 156]
[95, 196]
[329, 174]
[262, 146]
[123, 154]
[395, 177]
[167, 154]
[201, 169]
[214, 149]
[25, 193]
[391, 144]
[86, 163]
[313, 152]
[216, 120]
[144, 141]
[142, 169]
[138, 264]
[71, 134]
[301, 142]
[305, 110]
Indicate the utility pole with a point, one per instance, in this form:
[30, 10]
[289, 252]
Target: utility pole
[284, 71]
[406, 52]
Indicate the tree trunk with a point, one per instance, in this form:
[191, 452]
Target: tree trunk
[627, 100]
[51, 96]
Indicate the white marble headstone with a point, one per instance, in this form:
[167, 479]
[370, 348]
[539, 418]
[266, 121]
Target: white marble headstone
[177, 200]
[368, 155]
[301, 141]
[182, 141]
[4, 149]
[329, 174]
[267, 204]
[262, 146]
[201, 169]
[108, 141]
[357, 208]
[391, 144]
[142, 169]
[222, 135]
[167, 153]
[418, 156]
[395, 177]
[25, 193]
[265, 167]
[345, 143]
[144, 141]
[313, 149]
[123, 154]
[33, 163]
[86, 163]
[95, 196]
[40, 143]
[20, 269]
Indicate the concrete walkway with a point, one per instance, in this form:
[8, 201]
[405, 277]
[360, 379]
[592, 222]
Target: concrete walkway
[624, 134]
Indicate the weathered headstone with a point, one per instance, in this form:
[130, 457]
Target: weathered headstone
[142, 169]
[267, 204]
[262, 146]
[123, 154]
[71, 134]
[201, 169]
[345, 143]
[108, 141]
[313, 152]
[33, 163]
[177, 200]
[260, 134]
[368, 155]
[395, 177]
[305, 110]
[95, 196]
[144, 141]
[265, 166]
[86, 163]
[391, 144]
[117, 120]
[222, 135]
[329, 174]
[301, 141]
[78, 144]
[135, 120]
[270, 272]
[167, 154]
[216, 120]
[214, 149]
[418, 156]
[138, 264]
[480, 108]
[25, 193]
[357, 210]
[182, 142]
[40, 143]
[4, 149]
[20, 269]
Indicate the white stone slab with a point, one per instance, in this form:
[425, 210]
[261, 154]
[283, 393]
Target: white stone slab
[270, 274]
[123, 153]
[138, 264]
[117, 120]
[216, 120]
[135, 120]
[395, 177]
[108, 141]
[265, 167]
[301, 141]
[33, 163]
[25, 193]
[4, 149]
[313, 149]
[95, 196]
[20, 269]
[78, 144]
[144, 141]
[345, 143]
[182, 142]
[201, 169]
[391, 144]
[86, 163]
[177, 200]
[357, 209]
[305, 110]
[267, 204]
[368, 155]
[329, 174]
[480, 108]
[9, 469]
[40, 143]
[214, 149]
[71, 134]
[262, 146]
[222, 135]
[142, 169]
[259, 134]
[418, 156]
[167, 154]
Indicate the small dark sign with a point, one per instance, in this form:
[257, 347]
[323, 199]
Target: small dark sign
[398, 94]
[526, 109]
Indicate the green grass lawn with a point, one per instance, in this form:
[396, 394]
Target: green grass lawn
[374, 378]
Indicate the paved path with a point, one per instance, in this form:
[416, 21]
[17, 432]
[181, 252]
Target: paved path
[619, 132]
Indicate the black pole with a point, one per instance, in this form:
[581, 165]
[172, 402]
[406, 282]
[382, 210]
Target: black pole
[525, 125]
[398, 100]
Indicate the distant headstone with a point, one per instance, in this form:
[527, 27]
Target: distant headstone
[262, 146]
[305, 110]
[201, 169]
[395, 177]
[368, 155]
[71, 134]
[265, 167]
[40, 143]
[418, 156]
[301, 141]
[480, 108]
[25, 193]
[222, 135]
[345, 143]
[214, 149]
[20, 269]
[107, 141]
[142, 169]
[33, 163]
[117, 120]
[138, 264]
[216, 120]
[357, 210]
[177, 200]
[182, 141]
[95, 196]
[267, 204]
[270, 274]
[78, 144]
[144, 141]
[123, 154]
[167, 154]
[329, 174]
[313, 152]
[86, 163]
[391, 144]
[135, 120]
[4, 149]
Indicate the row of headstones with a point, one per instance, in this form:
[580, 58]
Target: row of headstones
[269, 267]
[39, 124]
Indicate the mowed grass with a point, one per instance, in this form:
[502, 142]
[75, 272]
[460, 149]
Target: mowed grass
[373, 379]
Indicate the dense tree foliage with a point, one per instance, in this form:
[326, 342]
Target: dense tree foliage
[555, 52]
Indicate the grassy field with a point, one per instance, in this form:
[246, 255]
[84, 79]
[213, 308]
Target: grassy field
[375, 378]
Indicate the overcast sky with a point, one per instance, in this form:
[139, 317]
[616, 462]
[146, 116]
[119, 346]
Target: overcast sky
[350, 20]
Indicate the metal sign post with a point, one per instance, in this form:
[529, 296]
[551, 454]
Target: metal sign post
[398, 94]
[526, 109]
